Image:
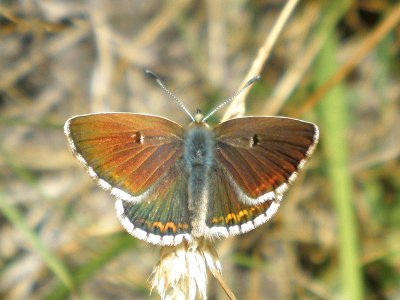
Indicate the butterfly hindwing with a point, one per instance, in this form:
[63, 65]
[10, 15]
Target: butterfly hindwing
[227, 214]
[261, 155]
[125, 152]
[162, 218]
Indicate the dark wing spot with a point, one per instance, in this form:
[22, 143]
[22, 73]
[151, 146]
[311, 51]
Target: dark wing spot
[137, 137]
[254, 141]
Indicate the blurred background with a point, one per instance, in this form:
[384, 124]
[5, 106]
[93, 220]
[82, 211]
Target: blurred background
[336, 63]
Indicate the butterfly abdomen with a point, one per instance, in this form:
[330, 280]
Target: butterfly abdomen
[199, 159]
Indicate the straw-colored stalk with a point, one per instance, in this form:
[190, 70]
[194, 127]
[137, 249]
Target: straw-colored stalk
[181, 272]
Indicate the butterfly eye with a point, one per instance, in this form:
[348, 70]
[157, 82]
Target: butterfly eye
[254, 141]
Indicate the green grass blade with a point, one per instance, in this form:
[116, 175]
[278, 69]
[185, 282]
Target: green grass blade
[334, 123]
[14, 217]
[122, 242]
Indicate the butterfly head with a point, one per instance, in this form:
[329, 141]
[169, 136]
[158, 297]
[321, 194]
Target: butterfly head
[198, 120]
[198, 117]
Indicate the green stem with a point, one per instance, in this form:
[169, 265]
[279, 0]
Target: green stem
[334, 123]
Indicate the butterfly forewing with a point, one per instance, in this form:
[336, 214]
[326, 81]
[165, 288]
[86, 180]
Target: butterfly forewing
[262, 154]
[126, 152]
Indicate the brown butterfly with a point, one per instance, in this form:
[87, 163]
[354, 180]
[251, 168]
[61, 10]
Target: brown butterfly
[174, 184]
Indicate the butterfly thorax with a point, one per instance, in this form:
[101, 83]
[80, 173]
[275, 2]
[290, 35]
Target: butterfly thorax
[199, 145]
[199, 159]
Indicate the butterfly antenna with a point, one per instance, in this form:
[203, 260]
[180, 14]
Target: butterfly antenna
[161, 84]
[248, 83]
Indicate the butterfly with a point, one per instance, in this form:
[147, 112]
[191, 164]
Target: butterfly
[175, 184]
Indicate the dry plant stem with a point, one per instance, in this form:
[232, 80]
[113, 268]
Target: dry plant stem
[31, 25]
[53, 48]
[297, 69]
[390, 152]
[217, 41]
[102, 73]
[237, 107]
[21, 22]
[160, 22]
[365, 47]
[225, 287]
[291, 79]
[131, 49]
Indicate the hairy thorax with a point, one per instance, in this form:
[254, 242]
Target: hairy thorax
[199, 159]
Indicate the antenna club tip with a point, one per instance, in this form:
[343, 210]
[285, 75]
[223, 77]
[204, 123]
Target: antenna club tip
[150, 73]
